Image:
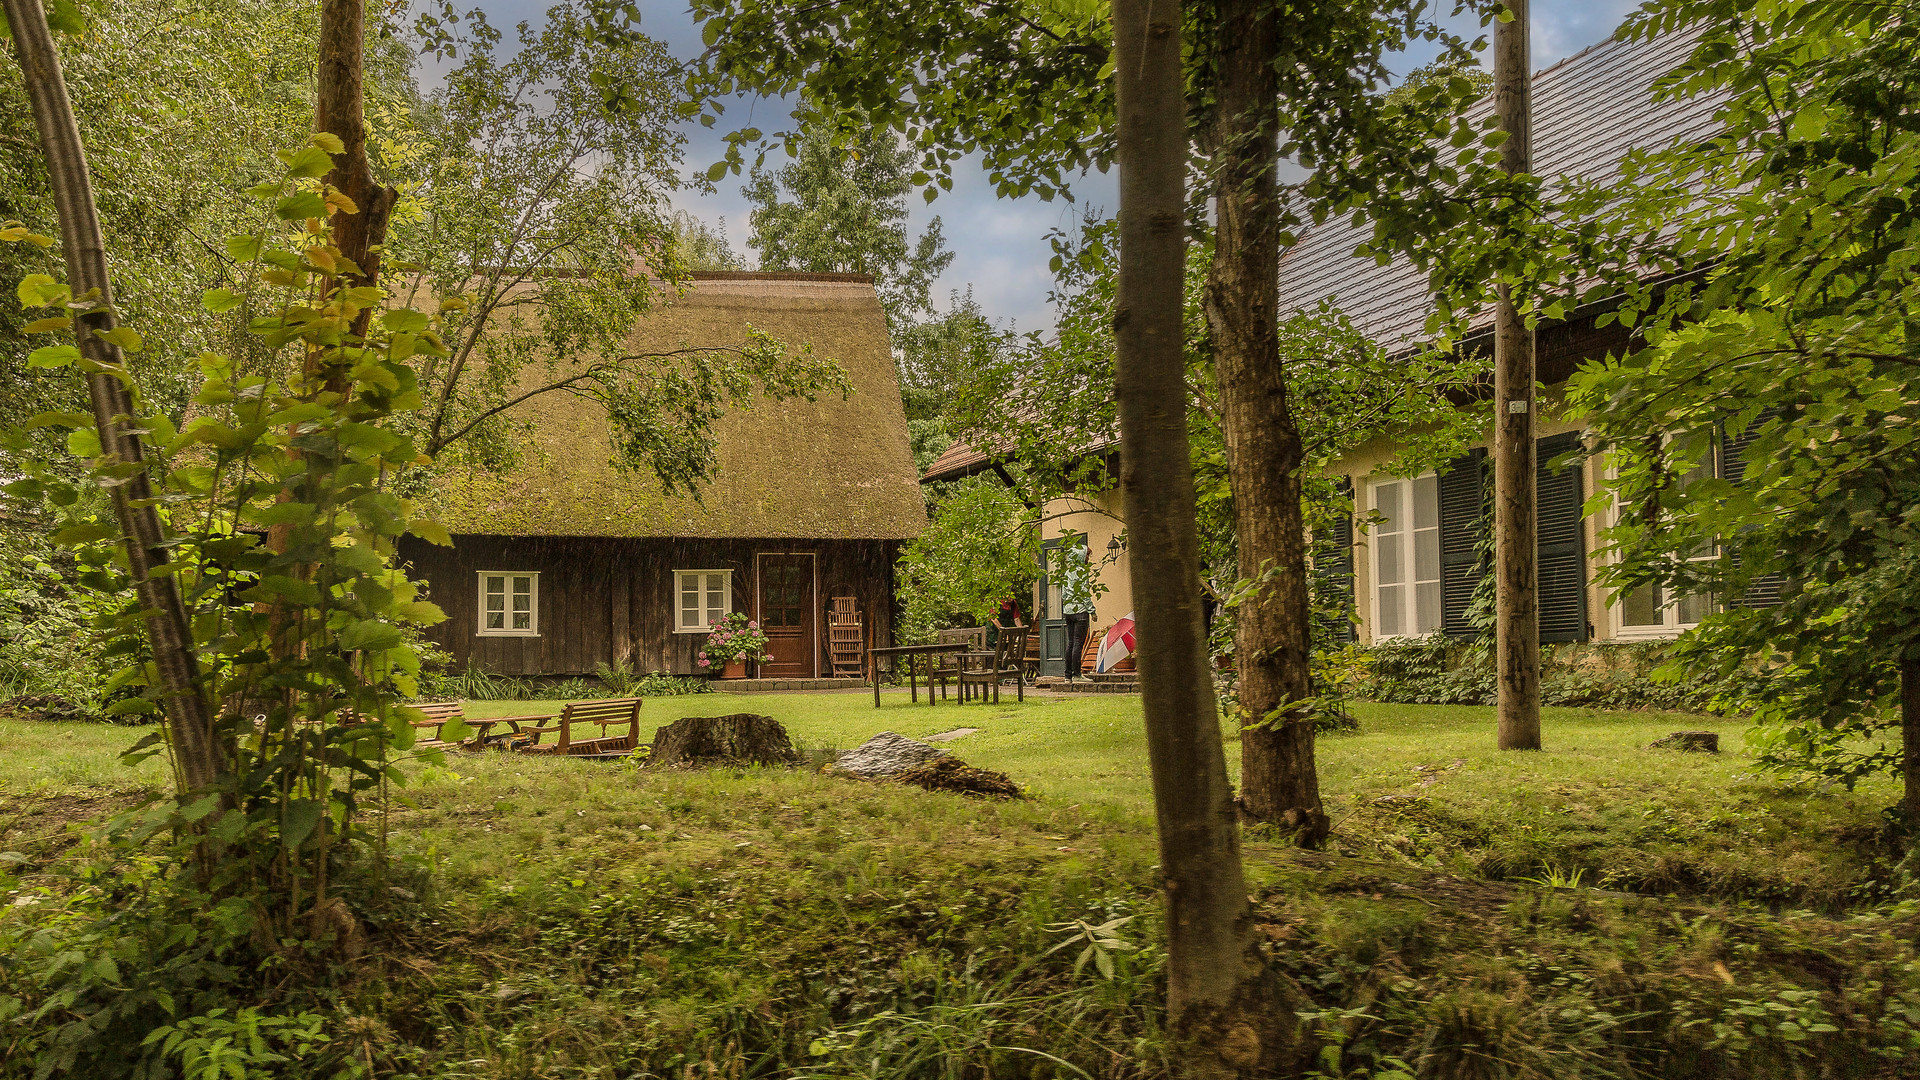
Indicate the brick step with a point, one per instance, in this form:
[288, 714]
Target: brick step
[1097, 685]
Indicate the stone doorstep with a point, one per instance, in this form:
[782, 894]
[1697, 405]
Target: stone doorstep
[762, 686]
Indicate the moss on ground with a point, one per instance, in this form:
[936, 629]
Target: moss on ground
[574, 919]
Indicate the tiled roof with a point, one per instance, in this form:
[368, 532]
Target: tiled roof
[1589, 110]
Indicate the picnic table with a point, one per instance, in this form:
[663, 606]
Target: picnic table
[907, 654]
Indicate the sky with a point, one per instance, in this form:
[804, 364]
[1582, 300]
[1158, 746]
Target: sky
[1000, 245]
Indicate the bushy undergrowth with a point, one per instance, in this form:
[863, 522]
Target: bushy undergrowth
[567, 921]
[474, 684]
[1437, 670]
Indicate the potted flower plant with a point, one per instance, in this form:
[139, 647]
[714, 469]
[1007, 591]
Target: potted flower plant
[731, 644]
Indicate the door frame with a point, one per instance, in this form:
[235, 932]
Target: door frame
[813, 559]
[1048, 623]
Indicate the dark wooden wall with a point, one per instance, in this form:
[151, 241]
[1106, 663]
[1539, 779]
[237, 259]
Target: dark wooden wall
[603, 599]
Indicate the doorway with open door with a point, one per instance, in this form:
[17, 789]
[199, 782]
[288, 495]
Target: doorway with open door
[788, 613]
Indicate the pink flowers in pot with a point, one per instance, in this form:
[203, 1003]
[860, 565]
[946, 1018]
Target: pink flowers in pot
[735, 637]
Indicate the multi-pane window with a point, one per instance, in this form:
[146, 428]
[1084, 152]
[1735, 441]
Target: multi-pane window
[509, 603]
[701, 598]
[1651, 610]
[1406, 557]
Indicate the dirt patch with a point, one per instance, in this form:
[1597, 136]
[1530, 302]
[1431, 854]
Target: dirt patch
[50, 708]
[949, 736]
[952, 774]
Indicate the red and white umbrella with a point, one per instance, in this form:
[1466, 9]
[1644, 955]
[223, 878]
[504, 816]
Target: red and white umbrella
[1116, 646]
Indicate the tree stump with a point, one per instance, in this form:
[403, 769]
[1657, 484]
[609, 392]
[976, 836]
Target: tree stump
[740, 739]
[1707, 742]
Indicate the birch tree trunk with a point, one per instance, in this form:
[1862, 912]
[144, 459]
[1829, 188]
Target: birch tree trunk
[1228, 1013]
[1278, 781]
[200, 759]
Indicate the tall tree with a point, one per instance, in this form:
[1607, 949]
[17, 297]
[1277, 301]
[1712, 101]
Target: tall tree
[198, 752]
[1516, 589]
[1264, 452]
[841, 207]
[1225, 1006]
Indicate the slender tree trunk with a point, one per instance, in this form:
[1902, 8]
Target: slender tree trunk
[339, 111]
[1278, 782]
[1228, 1012]
[1515, 528]
[198, 753]
[1910, 737]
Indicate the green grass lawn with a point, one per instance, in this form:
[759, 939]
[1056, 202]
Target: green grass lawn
[1417, 784]
[586, 919]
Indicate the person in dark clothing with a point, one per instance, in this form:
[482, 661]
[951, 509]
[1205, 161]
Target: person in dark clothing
[1076, 603]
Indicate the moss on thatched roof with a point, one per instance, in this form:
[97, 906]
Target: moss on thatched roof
[828, 469]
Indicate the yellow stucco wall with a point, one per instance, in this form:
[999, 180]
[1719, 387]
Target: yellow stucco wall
[1100, 518]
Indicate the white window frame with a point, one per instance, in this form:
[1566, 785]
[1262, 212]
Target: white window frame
[1670, 625]
[533, 604]
[1409, 558]
[726, 600]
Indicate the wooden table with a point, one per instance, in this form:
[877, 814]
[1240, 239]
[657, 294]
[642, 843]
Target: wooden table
[908, 652]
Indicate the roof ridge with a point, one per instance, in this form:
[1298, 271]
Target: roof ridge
[778, 275]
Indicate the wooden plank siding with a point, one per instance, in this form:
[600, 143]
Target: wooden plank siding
[603, 599]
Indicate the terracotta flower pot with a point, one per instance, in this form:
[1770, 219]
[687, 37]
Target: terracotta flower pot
[735, 669]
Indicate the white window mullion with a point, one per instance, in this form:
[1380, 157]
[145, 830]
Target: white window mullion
[704, 598]
[509, 603]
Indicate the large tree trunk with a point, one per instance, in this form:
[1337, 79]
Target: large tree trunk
[1910, 738]
[1228, 1014]
[199, 757]
[1515, 528]
[1278, 782]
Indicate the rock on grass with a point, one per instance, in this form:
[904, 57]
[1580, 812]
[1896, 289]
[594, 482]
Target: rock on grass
[887, 754]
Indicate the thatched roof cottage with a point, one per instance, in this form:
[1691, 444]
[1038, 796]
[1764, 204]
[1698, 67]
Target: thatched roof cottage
[568, 562]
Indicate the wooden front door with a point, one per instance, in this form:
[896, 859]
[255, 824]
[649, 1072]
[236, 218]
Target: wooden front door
[787, 614]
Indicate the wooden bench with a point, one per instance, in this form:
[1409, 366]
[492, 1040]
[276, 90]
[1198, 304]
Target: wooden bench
[437, 715]
[606, 713]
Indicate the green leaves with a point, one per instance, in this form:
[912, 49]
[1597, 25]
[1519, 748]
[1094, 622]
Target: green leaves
[307, 162]
[299, 206]
[53, 356]
[39, 290]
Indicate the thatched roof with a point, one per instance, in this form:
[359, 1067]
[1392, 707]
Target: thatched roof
[829, 469]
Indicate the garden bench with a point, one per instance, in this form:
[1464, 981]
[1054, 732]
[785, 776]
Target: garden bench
[605, 713]
[438, 714]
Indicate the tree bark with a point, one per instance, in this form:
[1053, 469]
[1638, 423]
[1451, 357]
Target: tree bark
[200, 758]
[1910, 738]
[1273, 636]
[1229, 1015]
[1516, 598]
[339, 110]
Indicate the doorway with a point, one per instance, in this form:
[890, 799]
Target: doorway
[787, 614]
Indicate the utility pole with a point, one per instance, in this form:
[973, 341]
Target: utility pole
[1515, 527]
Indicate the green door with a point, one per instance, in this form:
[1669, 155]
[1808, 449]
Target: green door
[1047, 620]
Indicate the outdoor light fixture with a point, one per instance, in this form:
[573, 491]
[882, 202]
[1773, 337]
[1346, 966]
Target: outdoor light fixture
[1115, 547]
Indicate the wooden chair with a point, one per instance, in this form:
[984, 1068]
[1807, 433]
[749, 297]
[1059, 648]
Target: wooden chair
[606, 713]
[1009, 659]
[950, 665]
[846, 639]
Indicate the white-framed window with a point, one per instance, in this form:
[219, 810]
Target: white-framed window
[1651, 611]
[509, 603]
[1406, 557]
[700, 599]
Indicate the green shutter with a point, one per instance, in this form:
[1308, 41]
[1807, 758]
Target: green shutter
[1333, 576]
[1463, 526]
[1763, 591]
[1562, 549]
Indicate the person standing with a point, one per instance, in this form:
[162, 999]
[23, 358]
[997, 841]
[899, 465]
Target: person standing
[1076, 601]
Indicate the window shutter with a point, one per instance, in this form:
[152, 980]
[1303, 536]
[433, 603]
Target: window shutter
[1561, 551]
[1462, 527]
[1333, 566]
[1763, 591]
